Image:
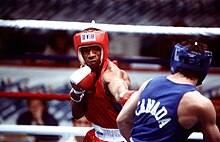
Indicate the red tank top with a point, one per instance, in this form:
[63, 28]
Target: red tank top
[100, 110]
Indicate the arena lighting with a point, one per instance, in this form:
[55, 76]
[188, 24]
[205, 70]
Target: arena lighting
[118, 28]
[61, 130]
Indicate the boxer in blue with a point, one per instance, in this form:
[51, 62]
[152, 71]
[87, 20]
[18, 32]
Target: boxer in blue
[169, 108]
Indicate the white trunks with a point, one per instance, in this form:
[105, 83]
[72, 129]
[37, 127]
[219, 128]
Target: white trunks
[111, 135]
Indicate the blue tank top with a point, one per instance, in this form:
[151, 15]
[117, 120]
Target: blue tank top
[156, 114]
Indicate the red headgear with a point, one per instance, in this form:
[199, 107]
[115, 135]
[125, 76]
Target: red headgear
[90, 37]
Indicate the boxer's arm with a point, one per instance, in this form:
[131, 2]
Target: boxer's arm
[127, 114]
[81, 80]
[207, 118]
[116, 82]
[78, 108]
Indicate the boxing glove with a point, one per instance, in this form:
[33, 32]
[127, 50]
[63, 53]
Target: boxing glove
[115, 62]
[82, 79]
[76, 96]
[125, 96]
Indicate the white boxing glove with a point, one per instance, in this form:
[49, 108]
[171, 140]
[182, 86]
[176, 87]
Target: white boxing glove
[82, 78]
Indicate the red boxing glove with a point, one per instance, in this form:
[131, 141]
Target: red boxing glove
[82, 78]
[76, 96]
[126, 96]
[115, 62]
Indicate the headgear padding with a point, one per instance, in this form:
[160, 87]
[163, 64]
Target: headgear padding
[91, 37]
[191, 60]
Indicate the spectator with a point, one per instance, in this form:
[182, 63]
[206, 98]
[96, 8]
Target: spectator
[82, 122]
[37, 114]
[59, 44]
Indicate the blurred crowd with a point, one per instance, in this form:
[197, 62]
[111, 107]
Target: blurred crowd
[57, 45]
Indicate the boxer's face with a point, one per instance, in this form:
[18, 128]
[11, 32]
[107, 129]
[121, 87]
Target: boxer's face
[91, 56]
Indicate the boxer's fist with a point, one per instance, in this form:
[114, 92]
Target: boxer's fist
[115, 62]
[76, 96]
[82, 79]
[125, 96]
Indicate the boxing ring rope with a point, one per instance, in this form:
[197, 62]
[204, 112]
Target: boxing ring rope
[119, 28]
[47, 96]
[44, 130]
[57, 130]
[43, 96]
[60, 130]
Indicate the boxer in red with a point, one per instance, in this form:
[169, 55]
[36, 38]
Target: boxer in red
[99, 87]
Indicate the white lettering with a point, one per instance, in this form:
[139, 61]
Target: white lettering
[85, 37]
[150, 104]
[161, 113]
[152, 107]
[142, 107]
[163, 122]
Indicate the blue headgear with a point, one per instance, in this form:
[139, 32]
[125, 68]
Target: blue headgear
[182, 58]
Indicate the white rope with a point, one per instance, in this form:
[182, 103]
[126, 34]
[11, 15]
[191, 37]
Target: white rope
[61, 130]
[196, 136]
[44, 130]
[73, 26]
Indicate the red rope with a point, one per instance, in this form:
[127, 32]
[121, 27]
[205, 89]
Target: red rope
[48, 96]
[215, 102]
[25, 95]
